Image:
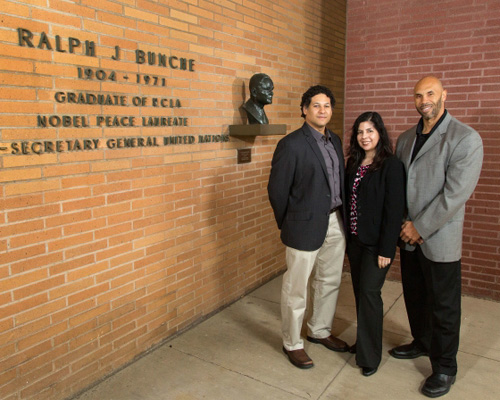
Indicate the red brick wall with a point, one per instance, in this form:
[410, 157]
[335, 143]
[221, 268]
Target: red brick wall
[105, 253]
[390, 45]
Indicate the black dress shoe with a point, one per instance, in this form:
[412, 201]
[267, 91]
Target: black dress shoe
[438, 384]
[367, 371]
[407, 352]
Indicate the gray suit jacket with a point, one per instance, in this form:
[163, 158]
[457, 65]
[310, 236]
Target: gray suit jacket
[440, 180]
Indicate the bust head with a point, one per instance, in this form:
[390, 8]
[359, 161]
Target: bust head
[261, 93]
[261, 89]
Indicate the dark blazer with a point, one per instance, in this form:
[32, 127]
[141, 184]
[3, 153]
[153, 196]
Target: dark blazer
[299, 191]
[381, 205]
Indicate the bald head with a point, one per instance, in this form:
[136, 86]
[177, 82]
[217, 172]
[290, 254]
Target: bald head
[429, 98]
[429, 81]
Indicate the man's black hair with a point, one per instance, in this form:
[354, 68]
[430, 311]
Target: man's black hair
[313, 91]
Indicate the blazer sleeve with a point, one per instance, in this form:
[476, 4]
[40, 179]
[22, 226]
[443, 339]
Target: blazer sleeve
[281, 180]
[464, 168]
[393, 207]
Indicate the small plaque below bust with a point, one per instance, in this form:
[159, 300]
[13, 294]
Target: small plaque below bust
[244, 156]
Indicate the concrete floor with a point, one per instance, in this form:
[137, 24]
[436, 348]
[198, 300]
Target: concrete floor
[236, 355]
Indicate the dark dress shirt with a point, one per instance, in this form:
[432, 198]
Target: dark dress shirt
[423, 137]
[332, 163]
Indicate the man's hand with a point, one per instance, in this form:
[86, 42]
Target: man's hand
[409, 234]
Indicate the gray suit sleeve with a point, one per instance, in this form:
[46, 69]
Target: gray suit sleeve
[462, 175]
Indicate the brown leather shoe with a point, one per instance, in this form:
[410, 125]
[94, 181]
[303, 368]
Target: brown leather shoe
[331, 343]
[299, 358]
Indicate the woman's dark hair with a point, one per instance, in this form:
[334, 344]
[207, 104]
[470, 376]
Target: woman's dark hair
[313, 91]
[383, 149]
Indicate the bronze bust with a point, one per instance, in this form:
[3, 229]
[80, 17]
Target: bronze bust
[261, 93]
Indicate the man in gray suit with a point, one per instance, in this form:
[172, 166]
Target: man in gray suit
[443, 159]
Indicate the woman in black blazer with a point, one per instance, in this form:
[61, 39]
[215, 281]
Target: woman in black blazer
[375, 193]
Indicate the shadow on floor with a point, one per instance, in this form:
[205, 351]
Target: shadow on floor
[236, 355]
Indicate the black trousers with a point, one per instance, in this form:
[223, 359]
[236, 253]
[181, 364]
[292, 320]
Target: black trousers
[432, 293]
[367, 281]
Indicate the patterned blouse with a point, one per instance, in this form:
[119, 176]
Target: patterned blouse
[361, 172]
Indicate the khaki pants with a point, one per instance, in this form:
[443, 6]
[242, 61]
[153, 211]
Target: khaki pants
[324, 266]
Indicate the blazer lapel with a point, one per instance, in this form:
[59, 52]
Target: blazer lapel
[314, 146]
[429, 144]
[407, 149]
[352, 176]
[436, 137]
[366, 179]
[337, 145]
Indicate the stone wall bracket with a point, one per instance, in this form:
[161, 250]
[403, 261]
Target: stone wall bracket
[257, 130]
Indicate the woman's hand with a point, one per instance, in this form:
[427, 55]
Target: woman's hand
[383, 262]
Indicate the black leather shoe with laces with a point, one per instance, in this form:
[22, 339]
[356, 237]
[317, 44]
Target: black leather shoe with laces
[438, 384]
[408, 352]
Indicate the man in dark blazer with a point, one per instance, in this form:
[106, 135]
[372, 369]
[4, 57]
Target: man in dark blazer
[306, 191]
[443, 159]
